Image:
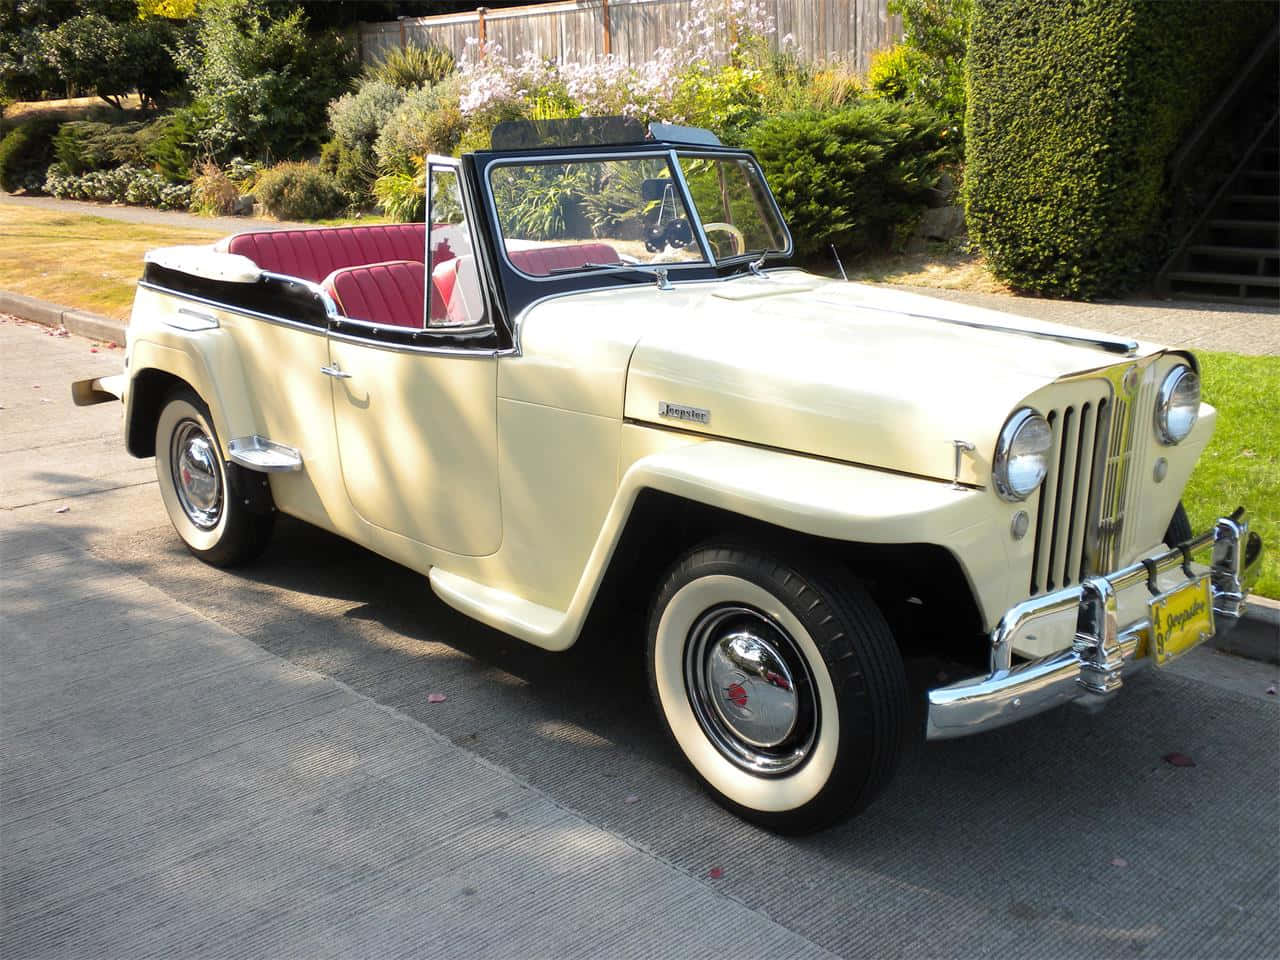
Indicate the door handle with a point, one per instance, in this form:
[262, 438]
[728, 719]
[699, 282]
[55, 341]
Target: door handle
[335, 372]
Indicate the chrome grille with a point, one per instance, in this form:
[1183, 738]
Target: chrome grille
[1080, 520]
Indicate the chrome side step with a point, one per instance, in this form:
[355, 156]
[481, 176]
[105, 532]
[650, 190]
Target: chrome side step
[265, 456]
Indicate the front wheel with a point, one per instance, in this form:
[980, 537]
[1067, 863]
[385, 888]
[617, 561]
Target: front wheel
[215, 523]
[783, 689]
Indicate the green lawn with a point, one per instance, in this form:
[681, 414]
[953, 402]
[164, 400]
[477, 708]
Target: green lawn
[1242, 462]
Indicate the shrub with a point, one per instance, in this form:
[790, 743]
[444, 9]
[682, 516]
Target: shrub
[213, 192]
[1073, 114]
[125, 184]
[403, 195]
[353, 169]
[25, 153]
[84, 145]
[428, 121]
[412, 67]
[357, 118]
[856, 177]
[173, 143]
[264, 83]
[928, 66]
[299, 191]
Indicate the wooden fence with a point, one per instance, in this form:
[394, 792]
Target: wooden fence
[581, 30]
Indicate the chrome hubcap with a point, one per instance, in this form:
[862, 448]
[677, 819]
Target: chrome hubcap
[751, 690]
[196, 477]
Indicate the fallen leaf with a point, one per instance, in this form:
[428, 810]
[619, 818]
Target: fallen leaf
[93, 349]
[631, 798]
[436, 698]
[1119, 862]
[715, 873]
[1179, 760]
[35, 386]
[1271, 690]
[63, 510]
[112, 345]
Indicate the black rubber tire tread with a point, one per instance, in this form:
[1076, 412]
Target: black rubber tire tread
[862, 659]
[246, 533]
[1179, 527]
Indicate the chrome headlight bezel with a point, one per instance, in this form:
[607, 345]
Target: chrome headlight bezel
[1181, 377]
[1005, 449]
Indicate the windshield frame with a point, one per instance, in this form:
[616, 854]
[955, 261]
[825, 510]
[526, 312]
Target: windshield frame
[677, 270]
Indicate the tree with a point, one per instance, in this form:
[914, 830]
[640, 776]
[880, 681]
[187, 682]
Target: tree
[265, 81]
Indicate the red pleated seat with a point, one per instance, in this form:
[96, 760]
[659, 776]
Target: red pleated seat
[541, 261]
[314, 254]
[387, 294]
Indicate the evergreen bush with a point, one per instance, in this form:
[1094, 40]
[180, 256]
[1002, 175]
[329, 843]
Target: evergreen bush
[857, 177]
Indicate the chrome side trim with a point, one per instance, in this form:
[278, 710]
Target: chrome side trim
[1126, 347]
[266, 456]
[229, 308]
[1103, 651]
[192, 320]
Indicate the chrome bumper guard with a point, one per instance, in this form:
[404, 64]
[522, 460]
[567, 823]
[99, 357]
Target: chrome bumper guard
[1103, 649]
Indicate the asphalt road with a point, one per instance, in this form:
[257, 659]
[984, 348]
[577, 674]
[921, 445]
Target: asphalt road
[1068, 835]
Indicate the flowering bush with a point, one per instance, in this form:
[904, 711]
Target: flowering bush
[716, 34]
[124, 184]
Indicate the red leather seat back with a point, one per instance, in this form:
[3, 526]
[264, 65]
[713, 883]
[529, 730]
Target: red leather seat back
[388, 294]
[314, 254]
[540, 261]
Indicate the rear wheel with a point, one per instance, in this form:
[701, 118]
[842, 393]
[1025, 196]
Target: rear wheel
[783, 689]
[199, 487]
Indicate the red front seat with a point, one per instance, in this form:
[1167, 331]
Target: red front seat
[387, 294]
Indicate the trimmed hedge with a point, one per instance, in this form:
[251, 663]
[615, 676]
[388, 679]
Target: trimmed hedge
[1073, 113]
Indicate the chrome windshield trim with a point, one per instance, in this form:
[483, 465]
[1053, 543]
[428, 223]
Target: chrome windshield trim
[661, 152]
[773, 203]
[673, 161]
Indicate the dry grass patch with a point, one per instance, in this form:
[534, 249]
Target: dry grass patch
[78, 260]
[940, 269]
[72, 108]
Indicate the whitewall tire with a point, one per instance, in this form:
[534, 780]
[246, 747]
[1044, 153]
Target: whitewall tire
[200, 488]
[783, 690]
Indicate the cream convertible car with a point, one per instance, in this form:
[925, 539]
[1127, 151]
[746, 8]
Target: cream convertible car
[594, 380]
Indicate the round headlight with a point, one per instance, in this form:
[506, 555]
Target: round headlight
[1178, 405]
[1022, 455]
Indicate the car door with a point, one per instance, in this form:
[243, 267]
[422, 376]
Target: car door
[414, 410]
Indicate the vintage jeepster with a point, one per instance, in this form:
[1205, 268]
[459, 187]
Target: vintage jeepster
[590, 380]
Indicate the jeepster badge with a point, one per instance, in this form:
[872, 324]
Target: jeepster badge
[678, 411]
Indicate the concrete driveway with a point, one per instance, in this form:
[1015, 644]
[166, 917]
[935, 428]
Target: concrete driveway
[209, 763]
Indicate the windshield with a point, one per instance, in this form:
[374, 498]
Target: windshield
[569, 216]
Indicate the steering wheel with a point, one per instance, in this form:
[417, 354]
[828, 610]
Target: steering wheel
[739, 241]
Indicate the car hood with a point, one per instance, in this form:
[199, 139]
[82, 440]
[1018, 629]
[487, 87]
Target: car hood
[848, 371]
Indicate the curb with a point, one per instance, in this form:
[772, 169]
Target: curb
[79, 322]
[1256, 636]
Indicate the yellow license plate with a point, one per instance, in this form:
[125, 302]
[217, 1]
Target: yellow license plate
[1180, 619]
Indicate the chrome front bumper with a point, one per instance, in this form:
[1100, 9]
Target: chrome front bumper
[1103, 650]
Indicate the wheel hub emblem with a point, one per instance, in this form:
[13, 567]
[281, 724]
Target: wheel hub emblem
[736, 694]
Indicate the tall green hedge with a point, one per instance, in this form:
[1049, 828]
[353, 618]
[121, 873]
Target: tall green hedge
[1074, 109]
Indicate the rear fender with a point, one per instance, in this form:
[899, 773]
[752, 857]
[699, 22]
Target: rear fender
[207, 361]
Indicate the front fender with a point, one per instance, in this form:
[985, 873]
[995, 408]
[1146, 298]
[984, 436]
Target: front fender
[824, 498]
